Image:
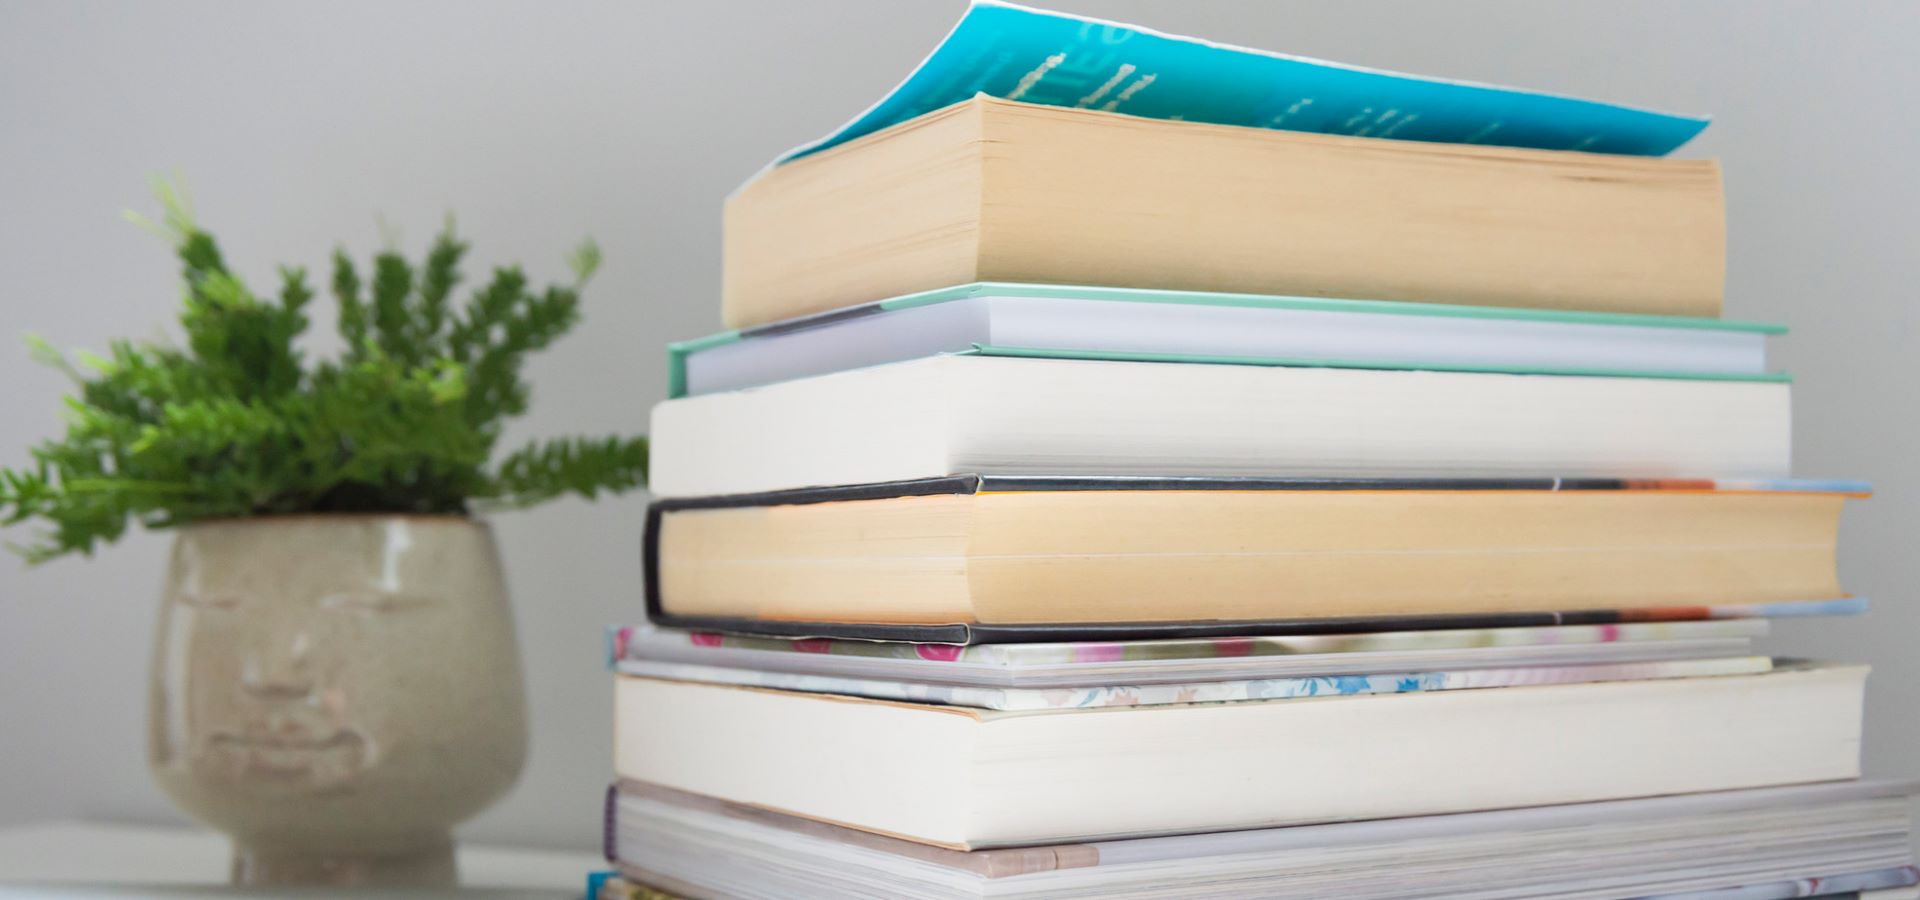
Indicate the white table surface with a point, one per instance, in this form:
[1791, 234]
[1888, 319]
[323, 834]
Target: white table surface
[92, 859]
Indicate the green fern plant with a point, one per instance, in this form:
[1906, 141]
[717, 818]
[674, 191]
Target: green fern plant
[237, 423]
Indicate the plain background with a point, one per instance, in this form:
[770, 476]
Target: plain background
[299, 126]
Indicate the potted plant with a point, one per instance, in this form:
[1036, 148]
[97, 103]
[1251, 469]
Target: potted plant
[335, 679]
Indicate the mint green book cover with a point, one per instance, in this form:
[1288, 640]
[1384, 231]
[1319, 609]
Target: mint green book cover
[679, 352]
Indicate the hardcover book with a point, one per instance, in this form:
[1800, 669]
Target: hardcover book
[985, 559]
[971, 779]
[997, 415]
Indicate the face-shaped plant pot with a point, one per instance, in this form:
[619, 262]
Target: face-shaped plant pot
[335, 692]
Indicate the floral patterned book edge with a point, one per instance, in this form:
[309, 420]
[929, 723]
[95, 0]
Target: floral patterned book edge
[648, 643]
[1026, 699]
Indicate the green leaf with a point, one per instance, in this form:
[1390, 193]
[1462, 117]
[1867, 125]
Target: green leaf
[393, 321]
[541, 471]
[437, 280]
[584, 262]
[346, 292]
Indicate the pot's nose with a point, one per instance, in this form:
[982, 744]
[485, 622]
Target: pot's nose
[276, 668]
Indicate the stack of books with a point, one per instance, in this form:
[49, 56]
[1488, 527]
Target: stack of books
[1146, 467]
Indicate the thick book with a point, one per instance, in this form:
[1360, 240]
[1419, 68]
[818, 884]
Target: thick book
[972, 779]
[1084, 664]
[1059, 558]
[995, 415]
[1034, 146]
[1088, 322]
[1821, 840]
[995, 190]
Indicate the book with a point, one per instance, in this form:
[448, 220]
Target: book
[1054, 554]
[1087, 322]
[977, 634]
[1060, 59]
[993, 190]
[1079, 113]
[1880, 884]
[1799, 841]
[1291, 687]
[990, 415]
[1103, 663]
[973, 779]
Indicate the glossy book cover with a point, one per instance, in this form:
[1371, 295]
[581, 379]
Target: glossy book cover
[1100, 697]
[1058, 59]
[1131, 664]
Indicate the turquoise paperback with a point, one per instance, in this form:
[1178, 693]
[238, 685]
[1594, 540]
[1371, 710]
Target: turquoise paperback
[1057, 59]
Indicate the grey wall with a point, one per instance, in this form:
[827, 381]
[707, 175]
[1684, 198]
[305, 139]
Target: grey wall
[295, 124]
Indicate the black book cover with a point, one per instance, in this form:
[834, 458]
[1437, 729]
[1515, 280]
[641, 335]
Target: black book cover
[976, 633]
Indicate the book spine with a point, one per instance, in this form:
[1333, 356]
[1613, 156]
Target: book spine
[609, 824]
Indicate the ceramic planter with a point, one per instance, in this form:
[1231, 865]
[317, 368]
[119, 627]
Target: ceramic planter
[336, 692]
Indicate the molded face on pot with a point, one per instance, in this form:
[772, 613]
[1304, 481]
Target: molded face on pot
[336, 684]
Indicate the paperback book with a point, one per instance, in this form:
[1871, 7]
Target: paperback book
[996, 190]
[1103, 663]
[1089, 322]
[1824, 840]
[1295, 687]
[1054, 58]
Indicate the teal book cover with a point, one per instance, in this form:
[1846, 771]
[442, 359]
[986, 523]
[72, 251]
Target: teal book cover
[1056, 59]
[679, 353]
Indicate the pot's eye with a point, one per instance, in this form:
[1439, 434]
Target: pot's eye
[372, 601]
[209, 601]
